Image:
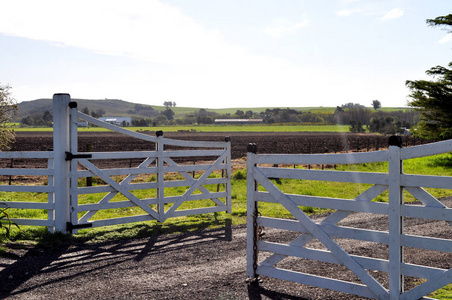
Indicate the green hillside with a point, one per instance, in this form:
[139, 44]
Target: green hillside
[121, 108]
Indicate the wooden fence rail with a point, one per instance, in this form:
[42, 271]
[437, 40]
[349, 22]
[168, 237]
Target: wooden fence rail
[260, 189]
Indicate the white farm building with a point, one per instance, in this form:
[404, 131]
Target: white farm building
[119, 121]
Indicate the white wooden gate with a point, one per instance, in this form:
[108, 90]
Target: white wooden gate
[207, 184]
[327, 231]
[159, 164]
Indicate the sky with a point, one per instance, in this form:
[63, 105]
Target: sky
[221, 53]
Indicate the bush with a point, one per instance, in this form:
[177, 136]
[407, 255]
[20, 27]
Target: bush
[239, 175]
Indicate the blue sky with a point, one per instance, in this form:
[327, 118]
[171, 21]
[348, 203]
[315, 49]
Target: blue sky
[221, 53]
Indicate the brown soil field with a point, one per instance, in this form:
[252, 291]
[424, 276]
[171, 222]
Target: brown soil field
[267, 142]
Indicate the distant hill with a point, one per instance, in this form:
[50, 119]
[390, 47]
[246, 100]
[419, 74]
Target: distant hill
[121, 108]
[112, 107]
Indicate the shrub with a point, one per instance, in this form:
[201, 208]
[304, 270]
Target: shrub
[239, 175]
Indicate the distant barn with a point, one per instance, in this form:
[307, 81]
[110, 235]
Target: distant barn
[119, 121]
[239, 121]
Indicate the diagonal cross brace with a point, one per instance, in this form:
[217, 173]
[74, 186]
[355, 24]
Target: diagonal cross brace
[336, 250]
[196, 185]
[187, 176]
[334, 218]
[123, 190]
[88, 215]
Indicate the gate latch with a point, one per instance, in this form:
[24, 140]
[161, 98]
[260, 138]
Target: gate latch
[70, 156]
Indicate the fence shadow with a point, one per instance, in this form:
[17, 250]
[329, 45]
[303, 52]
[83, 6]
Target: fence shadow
[45, 259]
[256, 292]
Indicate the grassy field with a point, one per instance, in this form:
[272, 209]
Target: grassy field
[214, 128]
[435, 165]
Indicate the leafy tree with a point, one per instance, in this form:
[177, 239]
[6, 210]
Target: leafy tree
[47, 116]
[433, 99]
[169, 113]
[356, 127]
[240, 113]
[376, 104]
[100, 112]
[168, 104]
[85, 110]
[27, 121]
[8, 111]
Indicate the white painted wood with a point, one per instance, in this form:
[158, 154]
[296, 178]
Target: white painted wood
[251, 210]
[305, 159]
[122, 155]
[194, 153]
[425, 197]
[332, 203]
[395, 224]
[196, 185]
[433, 213]
[321, 255]
[227, 176]
[436, 282]
[197, 144]
[65, 140]
[160, 179]
[29, 172]
[426, 150]
[429, 243]
[198, 211]
[324, 175]
[120, 188]
[61, 144]
[421, 271]
[28, 205]
[428, 181]
[323, 282]
[74, 167]
[33, 222]
[116, 128]
[26, 154]
[51, 198]
[377, 289]
[394, 182]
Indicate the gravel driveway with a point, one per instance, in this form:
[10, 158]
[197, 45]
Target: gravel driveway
[207, 264]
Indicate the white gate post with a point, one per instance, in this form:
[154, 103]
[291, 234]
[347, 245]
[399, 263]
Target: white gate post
[395, 218]
[228, 176]
[160, 177]
[61, 145]
[251, 233]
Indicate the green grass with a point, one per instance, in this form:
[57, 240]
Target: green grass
[214, 128]
[436, 165]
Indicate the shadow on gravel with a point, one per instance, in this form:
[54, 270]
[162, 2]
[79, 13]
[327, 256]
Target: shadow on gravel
[256, 292]
[66, 259]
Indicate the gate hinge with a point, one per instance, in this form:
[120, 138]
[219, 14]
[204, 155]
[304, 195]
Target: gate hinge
[71, 226]
[70, 156]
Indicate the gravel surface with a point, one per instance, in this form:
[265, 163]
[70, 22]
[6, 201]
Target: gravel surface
[206, 264]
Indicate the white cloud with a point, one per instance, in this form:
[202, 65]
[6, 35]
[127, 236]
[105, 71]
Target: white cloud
[193, 62]
[282, 27]
[447, 38]
[346, 12]
[393, 14]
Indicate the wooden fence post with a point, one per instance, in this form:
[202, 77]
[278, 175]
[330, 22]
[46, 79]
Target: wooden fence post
[228, 176]
[395, 218]
[61, 145]
[251, 234]
[160, 177]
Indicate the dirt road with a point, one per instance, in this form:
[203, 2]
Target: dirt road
[207, 264]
